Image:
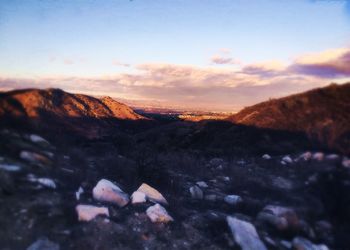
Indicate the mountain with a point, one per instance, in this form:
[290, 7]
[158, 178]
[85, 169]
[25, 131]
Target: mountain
[323, 114]
[58, 109]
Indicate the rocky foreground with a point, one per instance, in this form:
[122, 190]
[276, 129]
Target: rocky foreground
[82, 194]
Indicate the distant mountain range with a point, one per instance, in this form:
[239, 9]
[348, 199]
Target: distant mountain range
[323, 114]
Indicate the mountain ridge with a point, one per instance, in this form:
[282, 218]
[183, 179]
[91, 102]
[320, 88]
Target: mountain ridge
[322, 113]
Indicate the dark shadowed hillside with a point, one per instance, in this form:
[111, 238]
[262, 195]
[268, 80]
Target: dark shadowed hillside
[323, 114]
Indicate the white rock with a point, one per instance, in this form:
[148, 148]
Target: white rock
[226, 178]
[266, 157]
[78, 193]
[233, 199]
[301, 243]
[286, 244]
[157, 213]
[88, 212]
[152, 194]
[196, 192]
[106, 191]
[332, 157]
[244, 234]
[319, 156]
[306, 156]
[38, 139]
[202, 184]
[46, 182]
[10, 168]
[278, 210]
[346, 162]
[287, 159]
[138, 197]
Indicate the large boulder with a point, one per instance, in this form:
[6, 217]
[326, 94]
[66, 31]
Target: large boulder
[106, 191]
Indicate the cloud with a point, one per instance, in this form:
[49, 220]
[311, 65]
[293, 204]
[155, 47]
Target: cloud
[206, 88]
[180, 85]
[217, 59]
[328, 64]
[265, 69]
[117, 63]
[223, 57]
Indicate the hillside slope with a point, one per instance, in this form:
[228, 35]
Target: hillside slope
[56, 108]
[323, 114]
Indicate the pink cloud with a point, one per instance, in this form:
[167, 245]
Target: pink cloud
[329, 64]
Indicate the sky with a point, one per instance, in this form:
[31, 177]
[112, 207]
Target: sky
[210, 55]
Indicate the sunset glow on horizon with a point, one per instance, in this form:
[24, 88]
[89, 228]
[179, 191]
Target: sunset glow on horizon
[207, 55]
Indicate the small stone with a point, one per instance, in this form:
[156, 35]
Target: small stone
[266, 157]
[89, 212]
[273, 220]
[300, 243]
[287, 159]
[286, 244]
[38, 139]
[319, 156]
[196, 192]
[152, 194]
[202, 184]
[233, 199]
[346, 162]
[158, 214]
[33, 157]
[10, 167]
[244, 234]
[226, 178]
[281, 218]
[138, 197]
[269, 241]
[306, 156]
[78, 193]
[44, 244]
[332, 157]
[106, 191]
[46, 182]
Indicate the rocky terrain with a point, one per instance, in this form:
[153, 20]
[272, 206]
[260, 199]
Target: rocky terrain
[154, 184]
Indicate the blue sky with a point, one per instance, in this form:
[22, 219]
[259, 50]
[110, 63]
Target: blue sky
[112, 38]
